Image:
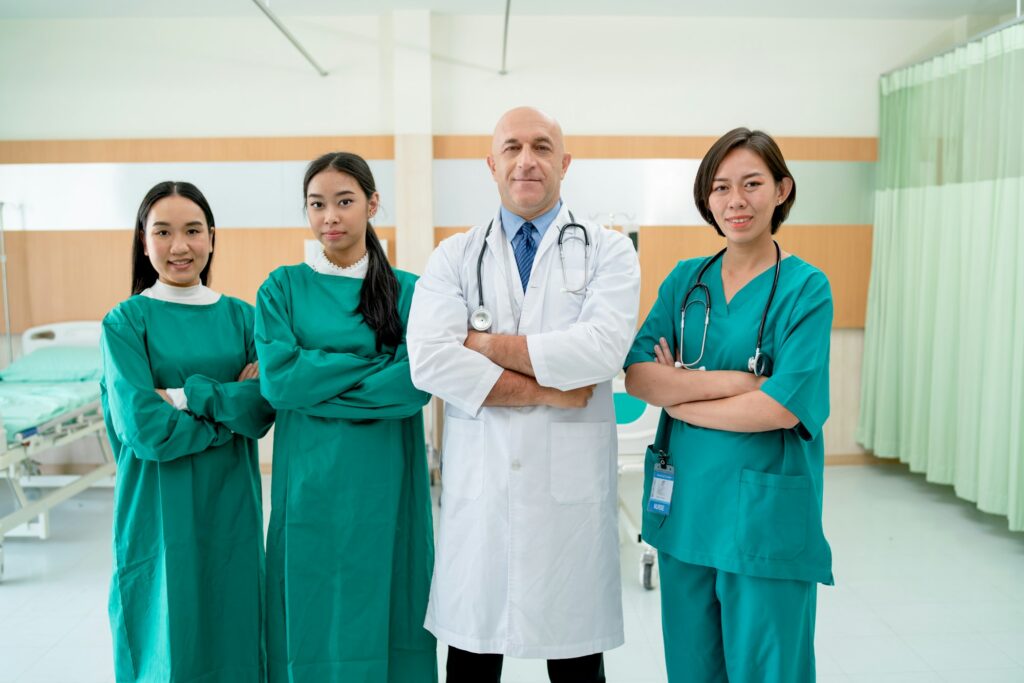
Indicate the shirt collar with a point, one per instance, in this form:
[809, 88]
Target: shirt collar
[511, 223]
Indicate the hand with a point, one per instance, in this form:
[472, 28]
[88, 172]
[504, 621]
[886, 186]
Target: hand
[477, 341]
[568, 400]
[164, 396]
[663, 354]
[250, 371]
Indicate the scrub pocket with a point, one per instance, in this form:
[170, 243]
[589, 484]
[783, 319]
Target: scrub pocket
[772, 515]
[462, 470]
[581, 461]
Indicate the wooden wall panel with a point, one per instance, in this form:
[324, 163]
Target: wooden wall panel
[666, 147]
[245, 256]
[441, 234]
[58, 275]
[72, 275]
[192, 149]
[17, 281]
[842, 252]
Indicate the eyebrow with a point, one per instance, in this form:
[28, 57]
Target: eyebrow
[541, 138]
[164, 224]
[749, 175]
[313, 195]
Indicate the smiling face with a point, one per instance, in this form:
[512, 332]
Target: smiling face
[338, 211]
[744, 196]
[528, 161]
[178, 241]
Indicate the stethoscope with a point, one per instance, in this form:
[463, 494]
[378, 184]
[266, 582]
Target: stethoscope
[760, 363]
[481, 318]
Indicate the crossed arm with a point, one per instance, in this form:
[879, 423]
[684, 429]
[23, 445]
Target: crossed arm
[719, 399]
[517, 385]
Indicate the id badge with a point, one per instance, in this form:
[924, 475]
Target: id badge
[660, 501]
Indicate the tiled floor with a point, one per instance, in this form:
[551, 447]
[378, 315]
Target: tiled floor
[928, 590]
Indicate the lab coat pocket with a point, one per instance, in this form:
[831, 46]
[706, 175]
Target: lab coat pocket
[581, 461]
[462, 472]
[772, 516]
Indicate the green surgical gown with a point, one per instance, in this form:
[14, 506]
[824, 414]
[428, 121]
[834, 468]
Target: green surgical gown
[350, 546]
[186, 597]
[748, 503]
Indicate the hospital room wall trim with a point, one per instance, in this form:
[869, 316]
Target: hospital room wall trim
[667, 147]
[191, 149]
[60, 275]
[842, 252]
[79, 274]
[383, 147]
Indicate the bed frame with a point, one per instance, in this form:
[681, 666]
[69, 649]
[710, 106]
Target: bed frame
[17, 465]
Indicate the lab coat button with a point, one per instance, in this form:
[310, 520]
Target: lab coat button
[515, 465]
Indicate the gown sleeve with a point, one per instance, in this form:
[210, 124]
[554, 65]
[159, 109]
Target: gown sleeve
[591, 350]
[662, 321]
[386, 395]
[293, 377]
[799, 379]
[153, 429]
[239, 406]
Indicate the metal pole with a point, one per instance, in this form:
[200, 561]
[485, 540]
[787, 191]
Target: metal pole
[7, 298]
[504, 43]
[287, 34]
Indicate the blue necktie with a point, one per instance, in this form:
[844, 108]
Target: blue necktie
[525, 248]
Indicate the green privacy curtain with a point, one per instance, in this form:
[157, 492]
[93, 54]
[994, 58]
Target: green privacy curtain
[943, 384]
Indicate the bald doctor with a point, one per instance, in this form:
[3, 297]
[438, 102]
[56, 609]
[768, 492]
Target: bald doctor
[519, 325]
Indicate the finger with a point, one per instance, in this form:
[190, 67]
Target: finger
[658, 355]
[666, 349]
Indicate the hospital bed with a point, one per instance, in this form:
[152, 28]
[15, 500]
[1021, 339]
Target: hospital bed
[636, 424]
[49, 397]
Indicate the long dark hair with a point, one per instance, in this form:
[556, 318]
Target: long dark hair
[761, 144]
[378, 297]
[143, 273]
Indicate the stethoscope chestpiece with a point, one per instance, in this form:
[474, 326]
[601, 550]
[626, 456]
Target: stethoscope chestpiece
[481, 319]
[760, 364]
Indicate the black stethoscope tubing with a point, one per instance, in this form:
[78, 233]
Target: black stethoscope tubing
[483, 250]
[759, 364]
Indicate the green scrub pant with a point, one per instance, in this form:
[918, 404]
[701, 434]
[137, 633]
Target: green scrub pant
[722, 627]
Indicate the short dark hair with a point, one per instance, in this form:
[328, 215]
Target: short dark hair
[761, 144]
[143, 273]
[378, 296]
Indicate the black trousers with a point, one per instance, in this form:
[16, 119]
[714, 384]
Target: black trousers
[470, 667]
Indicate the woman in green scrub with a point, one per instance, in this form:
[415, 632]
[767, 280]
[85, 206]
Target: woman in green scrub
[741, 547]
[350, 548]
[183, 411]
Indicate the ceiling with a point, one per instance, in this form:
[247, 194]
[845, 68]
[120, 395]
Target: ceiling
[821, 9]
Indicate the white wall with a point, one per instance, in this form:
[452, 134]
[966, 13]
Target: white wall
[675, 75]
[600, 75]
[127, 78]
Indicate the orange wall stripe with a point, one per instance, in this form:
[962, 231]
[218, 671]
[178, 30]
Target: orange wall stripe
[191, 149]
[666, 147]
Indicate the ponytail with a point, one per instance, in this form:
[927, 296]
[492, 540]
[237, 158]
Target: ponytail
[378, 297]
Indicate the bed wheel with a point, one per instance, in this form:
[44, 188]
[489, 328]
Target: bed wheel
[648, 577]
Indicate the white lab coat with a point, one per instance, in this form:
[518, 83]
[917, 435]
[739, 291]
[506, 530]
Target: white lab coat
[527, 557]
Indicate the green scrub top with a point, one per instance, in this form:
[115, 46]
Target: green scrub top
[186, 597]
[350, 547]
[748, 503]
